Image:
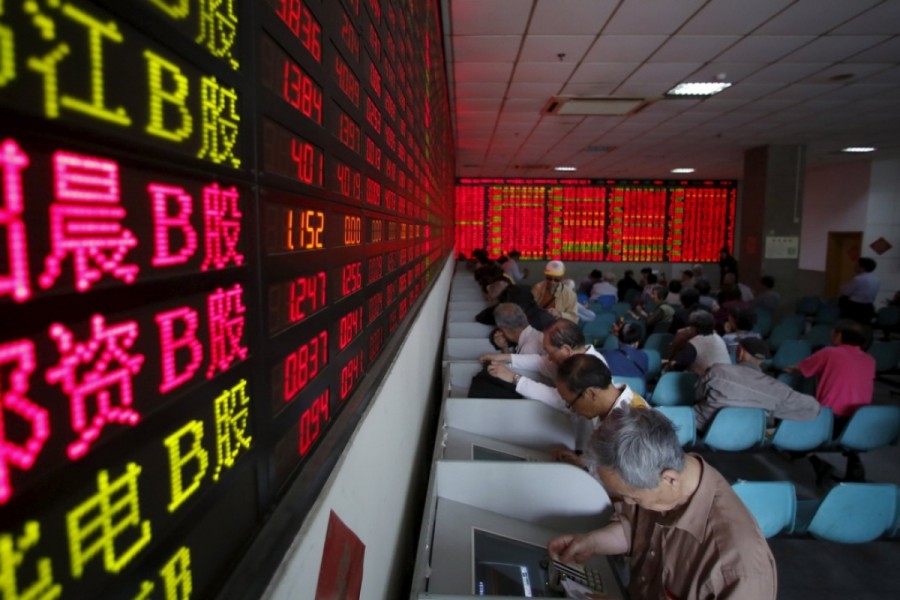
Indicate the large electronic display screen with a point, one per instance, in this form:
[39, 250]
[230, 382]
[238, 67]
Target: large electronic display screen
[596, 220]
[216, 220]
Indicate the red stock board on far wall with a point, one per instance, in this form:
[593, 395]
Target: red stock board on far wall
[217, 219]
[596, 220]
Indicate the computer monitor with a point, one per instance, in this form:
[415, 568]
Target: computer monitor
[508, 567]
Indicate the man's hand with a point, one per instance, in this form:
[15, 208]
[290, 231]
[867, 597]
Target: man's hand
[554, 312]
[565, 455]
[499, 340]
[494, 357]
[572, 548]
[501, 372]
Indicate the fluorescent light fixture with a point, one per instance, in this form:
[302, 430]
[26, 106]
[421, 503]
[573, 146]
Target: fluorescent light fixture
[683, 170]
[564, 169]
[858, 149]
[699, 88]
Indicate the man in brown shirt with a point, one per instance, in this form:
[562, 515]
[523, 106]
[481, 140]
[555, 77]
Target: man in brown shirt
[687, 533]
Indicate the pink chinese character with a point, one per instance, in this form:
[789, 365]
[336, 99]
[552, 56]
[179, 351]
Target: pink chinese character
[226, 328]
[105, 378]
[86, 222]
[16, 365]
[222, 219]
[12, 203]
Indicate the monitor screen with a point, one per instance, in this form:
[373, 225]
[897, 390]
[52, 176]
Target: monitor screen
[509, 567]
[484, 453]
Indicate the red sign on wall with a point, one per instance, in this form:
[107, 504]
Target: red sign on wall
[341, 571]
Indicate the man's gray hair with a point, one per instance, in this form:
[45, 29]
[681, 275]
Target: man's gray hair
[510, 316]
[702, 321]
[638, 444]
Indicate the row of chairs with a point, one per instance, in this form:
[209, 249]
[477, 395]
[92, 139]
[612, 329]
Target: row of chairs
[851, 513]
[736, 429]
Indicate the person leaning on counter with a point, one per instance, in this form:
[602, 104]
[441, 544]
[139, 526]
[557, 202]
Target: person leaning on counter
[687, 533]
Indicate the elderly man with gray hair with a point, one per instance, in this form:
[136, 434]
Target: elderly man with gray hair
[686, 532]
[513, 334]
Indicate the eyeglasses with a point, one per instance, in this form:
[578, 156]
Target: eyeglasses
[556, 279]
[577, 398]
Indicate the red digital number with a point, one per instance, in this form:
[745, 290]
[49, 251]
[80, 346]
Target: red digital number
[312, 421]
[375, 270]
[348, 132]
[350, 374]
[351, 278]
[373, 192]
[305, 229]
[301, 92]
[375, 79]
[376, 343]
[352, 230]
[347, 81]
[304, 363]
[307, 295]
[349, 36]
[309, 161]
[373, 115]
[350, 181]
[302, 24]
[350, 326]
[376, 305]
[373, 153]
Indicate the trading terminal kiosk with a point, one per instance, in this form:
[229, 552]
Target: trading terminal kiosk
[487, 524]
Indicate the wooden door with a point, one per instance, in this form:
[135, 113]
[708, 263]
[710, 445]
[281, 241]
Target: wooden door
[844, 249]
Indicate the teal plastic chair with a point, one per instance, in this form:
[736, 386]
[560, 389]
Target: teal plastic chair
[828, 314]
[870, 428]
[734, 429]
[886, 355]
[654, 364]
[818, 336]
[620, 309]
[661, 342]
[887, 319]
[674, 389]
[789, 354]
[791, 327]
[851, 513]
[808, 306]
[895, 530]
[596, 331]
[610, 343]
[637, 384]
[772, 503]
[763, 325]
[802, 436]
[682, 418]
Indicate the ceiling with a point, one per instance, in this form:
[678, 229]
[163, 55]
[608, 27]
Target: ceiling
[821, 73]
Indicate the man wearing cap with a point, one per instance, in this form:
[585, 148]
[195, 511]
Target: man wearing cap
[744, 384]
[553, 296]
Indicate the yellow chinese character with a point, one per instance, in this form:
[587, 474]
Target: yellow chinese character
[106, 522]
[12, 557]
[218, 29]
[232, 420]
[220, 122]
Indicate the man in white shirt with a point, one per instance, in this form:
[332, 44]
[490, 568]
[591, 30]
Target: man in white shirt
[857, 300]
[513, 334]
[562, 339]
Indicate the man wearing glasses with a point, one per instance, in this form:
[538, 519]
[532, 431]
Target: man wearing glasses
[553, 296]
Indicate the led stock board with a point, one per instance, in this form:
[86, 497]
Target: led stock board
[215, 217]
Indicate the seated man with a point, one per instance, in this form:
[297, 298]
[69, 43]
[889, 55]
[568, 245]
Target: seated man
[627, 360]
[744, 384]
[686, 532]
[561, 340]
[513, 334]
[704, 346]
[846, 381]
[554, 297]
[739, 325]
[586, 386]
[660, 319]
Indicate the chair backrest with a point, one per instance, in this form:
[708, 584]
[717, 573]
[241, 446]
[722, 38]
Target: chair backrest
[675, 388]
[790, 353]
[854, 513]
[888, 316]
[596, 331]
[611, 342]
[808, 305]
[772, 503]
[763, 324]
[620, 309]
[654, 364]
[637, 384]
[819, 336]
[682, 418]
[828, 314]
[661, 342]
[789, 328]
[871, 427]
[895, 528]
[803, 436]
[736, 428]
[886, 355]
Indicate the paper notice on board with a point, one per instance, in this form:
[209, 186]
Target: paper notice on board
[782, 247]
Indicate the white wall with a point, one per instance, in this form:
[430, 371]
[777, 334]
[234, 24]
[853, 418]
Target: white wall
[369, 487]
[834, 199]
[883, 220]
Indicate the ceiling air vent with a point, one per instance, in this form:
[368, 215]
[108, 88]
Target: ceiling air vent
[599, 149]
[594, 106]
[528, 167]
